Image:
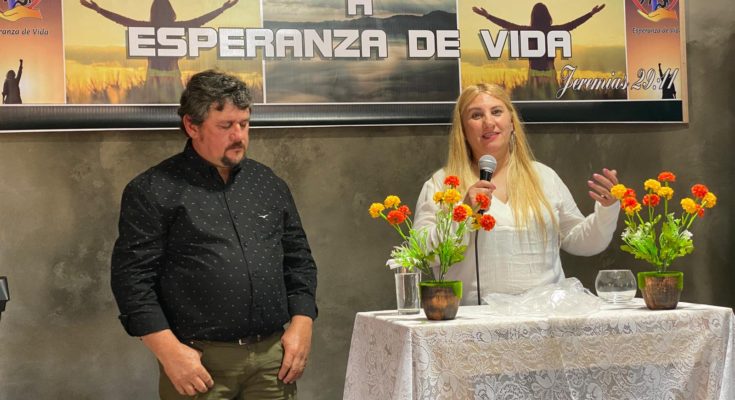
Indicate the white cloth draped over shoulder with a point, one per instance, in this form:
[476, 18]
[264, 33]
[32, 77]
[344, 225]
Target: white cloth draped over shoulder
[512, 259]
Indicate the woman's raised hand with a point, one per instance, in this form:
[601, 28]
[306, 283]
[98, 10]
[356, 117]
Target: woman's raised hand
[601, 186]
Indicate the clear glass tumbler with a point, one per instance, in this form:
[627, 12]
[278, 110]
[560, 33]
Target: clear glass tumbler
[616, 286]
[407, 291]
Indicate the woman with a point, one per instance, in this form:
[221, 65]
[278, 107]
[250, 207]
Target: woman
[541, 70]
[163, 77]
[534, 211]
[11, 86]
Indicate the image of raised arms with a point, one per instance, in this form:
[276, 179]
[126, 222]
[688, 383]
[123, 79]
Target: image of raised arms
[541, 71]
[11, 87]
[163, 82]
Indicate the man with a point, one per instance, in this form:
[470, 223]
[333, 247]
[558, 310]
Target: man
[212, 262]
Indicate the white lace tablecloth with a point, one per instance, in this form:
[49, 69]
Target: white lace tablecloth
[621, 352]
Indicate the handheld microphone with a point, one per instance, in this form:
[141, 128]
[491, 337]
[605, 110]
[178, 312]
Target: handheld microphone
[487, 167]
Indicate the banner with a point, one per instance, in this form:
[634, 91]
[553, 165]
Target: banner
[86, 64]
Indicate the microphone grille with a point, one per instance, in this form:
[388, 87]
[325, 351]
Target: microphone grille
[488, 162]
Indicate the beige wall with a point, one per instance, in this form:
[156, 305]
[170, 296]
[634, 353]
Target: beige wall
[60, 193]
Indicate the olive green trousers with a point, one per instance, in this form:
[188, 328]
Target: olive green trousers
[241, 372]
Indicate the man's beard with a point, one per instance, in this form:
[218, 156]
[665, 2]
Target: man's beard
[231, 162]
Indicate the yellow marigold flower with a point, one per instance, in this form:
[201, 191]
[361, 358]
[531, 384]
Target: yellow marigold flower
[618, 191]
[392, 201]
[709, 200]
[665, 192]
[652, 184]
[452, 196]
[375, 209]
[438, 196]
[632, 210]
[689, 205]
[468, 208]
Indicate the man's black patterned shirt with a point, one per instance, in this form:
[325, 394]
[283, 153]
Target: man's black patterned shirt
[207, 259]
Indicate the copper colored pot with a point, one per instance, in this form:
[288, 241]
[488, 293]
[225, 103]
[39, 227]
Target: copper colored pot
[440, 299]
[661, 290]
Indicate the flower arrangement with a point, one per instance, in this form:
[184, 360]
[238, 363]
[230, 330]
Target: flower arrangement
[454, 220]
[659, 236]
[414, 252]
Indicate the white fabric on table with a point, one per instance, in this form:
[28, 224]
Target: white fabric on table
[621, 352]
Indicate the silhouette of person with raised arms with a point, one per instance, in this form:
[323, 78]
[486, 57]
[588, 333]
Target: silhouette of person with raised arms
[541, 72]
[163, 77]
[11, 87]
[668, 90]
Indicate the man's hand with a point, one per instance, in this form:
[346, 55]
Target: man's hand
[182, 364]
[296, 342]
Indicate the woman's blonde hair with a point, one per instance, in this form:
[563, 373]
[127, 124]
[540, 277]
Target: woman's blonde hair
[525, 195]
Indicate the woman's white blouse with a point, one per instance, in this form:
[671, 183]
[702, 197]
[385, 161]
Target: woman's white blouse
[513, 260]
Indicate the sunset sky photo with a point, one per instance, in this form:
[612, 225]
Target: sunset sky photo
[598, 45]
[98, 69]
[395, 78]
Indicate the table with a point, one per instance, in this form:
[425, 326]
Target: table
[620, 352]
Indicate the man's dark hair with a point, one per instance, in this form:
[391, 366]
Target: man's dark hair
[211, 88]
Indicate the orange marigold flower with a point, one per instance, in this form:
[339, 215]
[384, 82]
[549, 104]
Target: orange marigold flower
[483, 201]
[700, 211]
[375, 209]
[452, 181]
[689, 205]
[452, 196]
[438, 196]
[396, 217]
[632, 210]
[630, 205]
[667, 176]
[487, 222]
[709, 200]
[651, 200]
[699, 190]
[665, 192]
[628, 202]
[404, 210]
[629, 193]
[460, 213]
[392, 201]
[618, 191]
